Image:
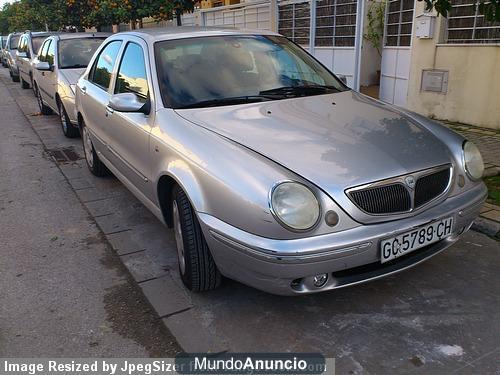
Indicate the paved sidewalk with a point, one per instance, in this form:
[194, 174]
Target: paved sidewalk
[64, 292]
[488, 141]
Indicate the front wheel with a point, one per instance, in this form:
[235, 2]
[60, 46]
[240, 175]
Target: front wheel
[69, 130]
[196, 265]
[44, 110]
[95, 165]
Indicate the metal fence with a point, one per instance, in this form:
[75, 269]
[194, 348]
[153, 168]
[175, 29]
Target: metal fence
[467, 25]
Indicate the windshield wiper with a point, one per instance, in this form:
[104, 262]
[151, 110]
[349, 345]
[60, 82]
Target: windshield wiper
[227, 101]
[300, 90]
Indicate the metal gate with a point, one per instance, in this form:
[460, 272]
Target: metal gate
[255, 15]
[396, 53]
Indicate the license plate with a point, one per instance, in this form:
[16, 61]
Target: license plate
[414, 239]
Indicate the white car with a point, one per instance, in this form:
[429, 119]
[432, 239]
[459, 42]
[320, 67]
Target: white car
[29, 45]
[60, 62]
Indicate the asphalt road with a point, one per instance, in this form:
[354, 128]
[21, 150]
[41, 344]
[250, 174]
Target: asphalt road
[440, 317]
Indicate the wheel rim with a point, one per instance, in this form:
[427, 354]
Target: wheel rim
[179, 239]
[63, 119]
[87, 145]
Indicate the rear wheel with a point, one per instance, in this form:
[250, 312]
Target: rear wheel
[14, 78]
[44, 110]
[68, 128]
[95, 165]
[196, 265]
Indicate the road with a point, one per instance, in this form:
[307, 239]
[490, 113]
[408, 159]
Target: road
[440, 317]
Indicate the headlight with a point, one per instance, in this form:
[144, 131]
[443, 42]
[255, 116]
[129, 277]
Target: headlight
[473, 161]
[295, 206]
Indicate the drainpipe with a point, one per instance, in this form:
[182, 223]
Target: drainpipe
[358, 42]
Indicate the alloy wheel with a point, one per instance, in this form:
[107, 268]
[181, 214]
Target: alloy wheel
[39, 98]
[87, 145]
[62, 116]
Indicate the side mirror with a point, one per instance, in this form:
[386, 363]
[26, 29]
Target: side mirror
[342, 78]
[21, 55]
[128, 102]
[42, 65]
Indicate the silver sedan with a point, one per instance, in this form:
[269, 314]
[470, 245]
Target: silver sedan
[269, 169]
[61, 60]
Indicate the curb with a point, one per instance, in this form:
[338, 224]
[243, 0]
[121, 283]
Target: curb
[486, 226]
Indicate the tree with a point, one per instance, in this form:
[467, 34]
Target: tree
[490, 8]
[375, 27]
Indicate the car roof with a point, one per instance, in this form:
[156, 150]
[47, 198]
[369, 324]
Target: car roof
[180, 32]
[41, 33]
[64, 36]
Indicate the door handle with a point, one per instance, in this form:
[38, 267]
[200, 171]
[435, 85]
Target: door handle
[109, 111]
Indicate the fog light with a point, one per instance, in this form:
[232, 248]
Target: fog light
[331, 218]
[320, 280]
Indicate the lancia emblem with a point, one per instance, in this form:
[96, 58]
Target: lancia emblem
[410, 182]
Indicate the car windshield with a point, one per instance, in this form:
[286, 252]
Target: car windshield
[76, 53]
[14, 41]
[36, 42]
[224, 70]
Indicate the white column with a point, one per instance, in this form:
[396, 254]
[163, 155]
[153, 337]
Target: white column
[358, 42]
[273, 15]
[312, 25]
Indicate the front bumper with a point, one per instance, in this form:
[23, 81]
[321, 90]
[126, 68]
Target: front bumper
[348, 257]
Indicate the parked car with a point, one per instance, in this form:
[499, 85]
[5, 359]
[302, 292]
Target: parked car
[29, 44]
[60, 62]
[270, 170]
[3, 43]
[10, 55]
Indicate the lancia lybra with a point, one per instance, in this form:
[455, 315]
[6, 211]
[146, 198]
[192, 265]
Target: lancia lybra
[268, 168]
[60, 62]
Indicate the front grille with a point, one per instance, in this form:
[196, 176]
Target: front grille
[383, 199]
[430, 186]
[396, 196]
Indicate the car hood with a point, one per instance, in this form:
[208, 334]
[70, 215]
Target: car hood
[72, 75]
[335, 141]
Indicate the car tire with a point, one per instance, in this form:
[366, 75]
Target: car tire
[95, 165]
[69, 130]
[44, 110]
[14, 78]
[25, 85]
[196, 265]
